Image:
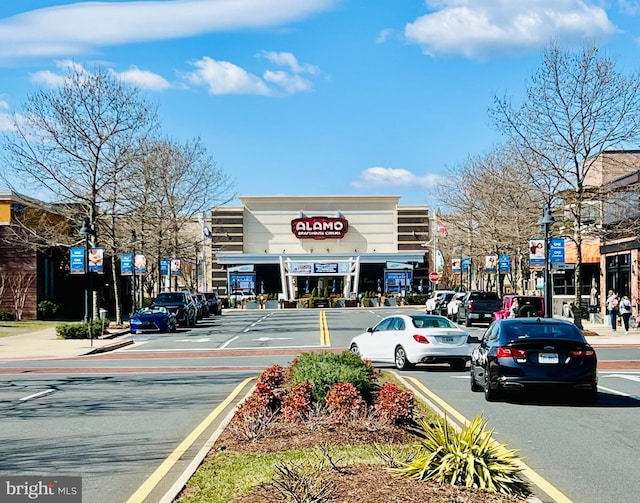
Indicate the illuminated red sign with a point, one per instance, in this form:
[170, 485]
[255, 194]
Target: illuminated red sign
[319, 227]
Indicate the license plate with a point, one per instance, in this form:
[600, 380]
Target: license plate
[448, 340]
[548, 358]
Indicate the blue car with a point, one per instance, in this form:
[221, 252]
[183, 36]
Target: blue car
[153, 319]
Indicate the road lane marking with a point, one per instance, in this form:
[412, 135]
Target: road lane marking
[37, 395]
[228, 342]
[619, 393]
[630, 377]
[324, 330]
[527, 471]
[154, 479]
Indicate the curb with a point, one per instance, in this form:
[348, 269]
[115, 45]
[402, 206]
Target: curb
[110, 347]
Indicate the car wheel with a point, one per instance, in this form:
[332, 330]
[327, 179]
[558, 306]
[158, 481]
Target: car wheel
[475, 387]
[458, 364]
[526, 312]
[490, 395]
[355, 349]
[402, 363]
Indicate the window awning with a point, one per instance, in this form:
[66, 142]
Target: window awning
[590, 252]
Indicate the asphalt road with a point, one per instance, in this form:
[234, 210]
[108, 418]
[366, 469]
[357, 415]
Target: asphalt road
[115, 419]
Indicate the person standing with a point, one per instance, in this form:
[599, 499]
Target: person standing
[625, 312]
[612, 308]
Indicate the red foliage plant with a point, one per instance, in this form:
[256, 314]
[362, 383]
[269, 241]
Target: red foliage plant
[297, 402]
[273, 376]
[344, 401]
[394, 405]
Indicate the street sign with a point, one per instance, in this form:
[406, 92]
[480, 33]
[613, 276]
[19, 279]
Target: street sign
[434, 276]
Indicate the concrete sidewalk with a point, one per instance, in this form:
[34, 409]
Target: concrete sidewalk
[44, 344]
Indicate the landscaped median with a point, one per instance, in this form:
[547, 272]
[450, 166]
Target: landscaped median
[332, 428]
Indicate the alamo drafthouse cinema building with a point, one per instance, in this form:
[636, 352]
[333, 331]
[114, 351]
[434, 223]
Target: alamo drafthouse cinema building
[348, 245]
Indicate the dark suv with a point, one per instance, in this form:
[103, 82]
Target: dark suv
[179, 303]
[215, 306]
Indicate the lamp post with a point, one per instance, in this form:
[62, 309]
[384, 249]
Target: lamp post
[132, 242]
[545, 222]
[86, 231]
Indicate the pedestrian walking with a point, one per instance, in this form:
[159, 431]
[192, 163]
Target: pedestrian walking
[625, 312]
[612, 308]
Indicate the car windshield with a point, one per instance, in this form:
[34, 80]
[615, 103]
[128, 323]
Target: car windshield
[169, 297]
[152, 310]
[432, 322]
[528, 331]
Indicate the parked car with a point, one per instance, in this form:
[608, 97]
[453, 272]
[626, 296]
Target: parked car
[433, 302]
[528, 306]
[153, 319]
[202, 305]
[478, 306]
[522, 353]
[215, 306]
[239, 297]
[181, 304]
[452, 306]
[409, 339]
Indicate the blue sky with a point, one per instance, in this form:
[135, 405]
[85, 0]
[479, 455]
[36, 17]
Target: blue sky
[314, 97]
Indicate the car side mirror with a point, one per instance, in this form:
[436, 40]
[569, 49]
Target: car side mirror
[370, 330]
[472, 339]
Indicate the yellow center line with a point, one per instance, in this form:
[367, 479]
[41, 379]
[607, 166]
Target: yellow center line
[324, 330]
[145, 489]
[527, 471]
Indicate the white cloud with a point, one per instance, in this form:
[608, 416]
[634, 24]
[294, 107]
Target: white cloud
[377, 177]
[223, 77]
[290, 84]
[482, 29]
[289, 60]
[6, 121]
[81, 27]
[143, 79]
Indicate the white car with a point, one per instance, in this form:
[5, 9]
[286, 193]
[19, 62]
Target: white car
[434, 300]
[452, 306]
[408, 339]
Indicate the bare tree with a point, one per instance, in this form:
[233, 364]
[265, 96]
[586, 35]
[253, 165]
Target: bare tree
[74, 144]
[493, 211]
[19, 285]
[577, 106]
[172, 187]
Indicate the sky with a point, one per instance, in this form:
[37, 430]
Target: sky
[314, 97]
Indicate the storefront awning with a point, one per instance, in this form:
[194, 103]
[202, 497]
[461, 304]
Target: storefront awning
[590, 252]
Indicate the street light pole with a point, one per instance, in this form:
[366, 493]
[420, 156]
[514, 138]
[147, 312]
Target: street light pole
[545, 222]
[87, 231]
[132, 241]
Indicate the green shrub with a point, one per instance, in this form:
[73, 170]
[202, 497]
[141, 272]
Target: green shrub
[323, 370]
[80, 330]
[470, 458]
[7, 316]
[47, 310]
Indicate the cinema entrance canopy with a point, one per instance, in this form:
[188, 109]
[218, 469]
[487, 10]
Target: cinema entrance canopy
[348, 244]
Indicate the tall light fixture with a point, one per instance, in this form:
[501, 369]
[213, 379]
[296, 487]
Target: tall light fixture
[545, 222]
[87, 231]
[132, 242]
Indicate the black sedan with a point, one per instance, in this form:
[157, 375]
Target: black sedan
[527, 353]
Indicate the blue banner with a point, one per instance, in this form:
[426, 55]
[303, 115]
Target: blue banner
[504, 262]
[556, 250]
[126, 264]
[76, 260]
[466, 264]
[164, 266]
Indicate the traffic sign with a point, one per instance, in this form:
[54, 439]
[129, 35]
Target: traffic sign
[434, 276]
